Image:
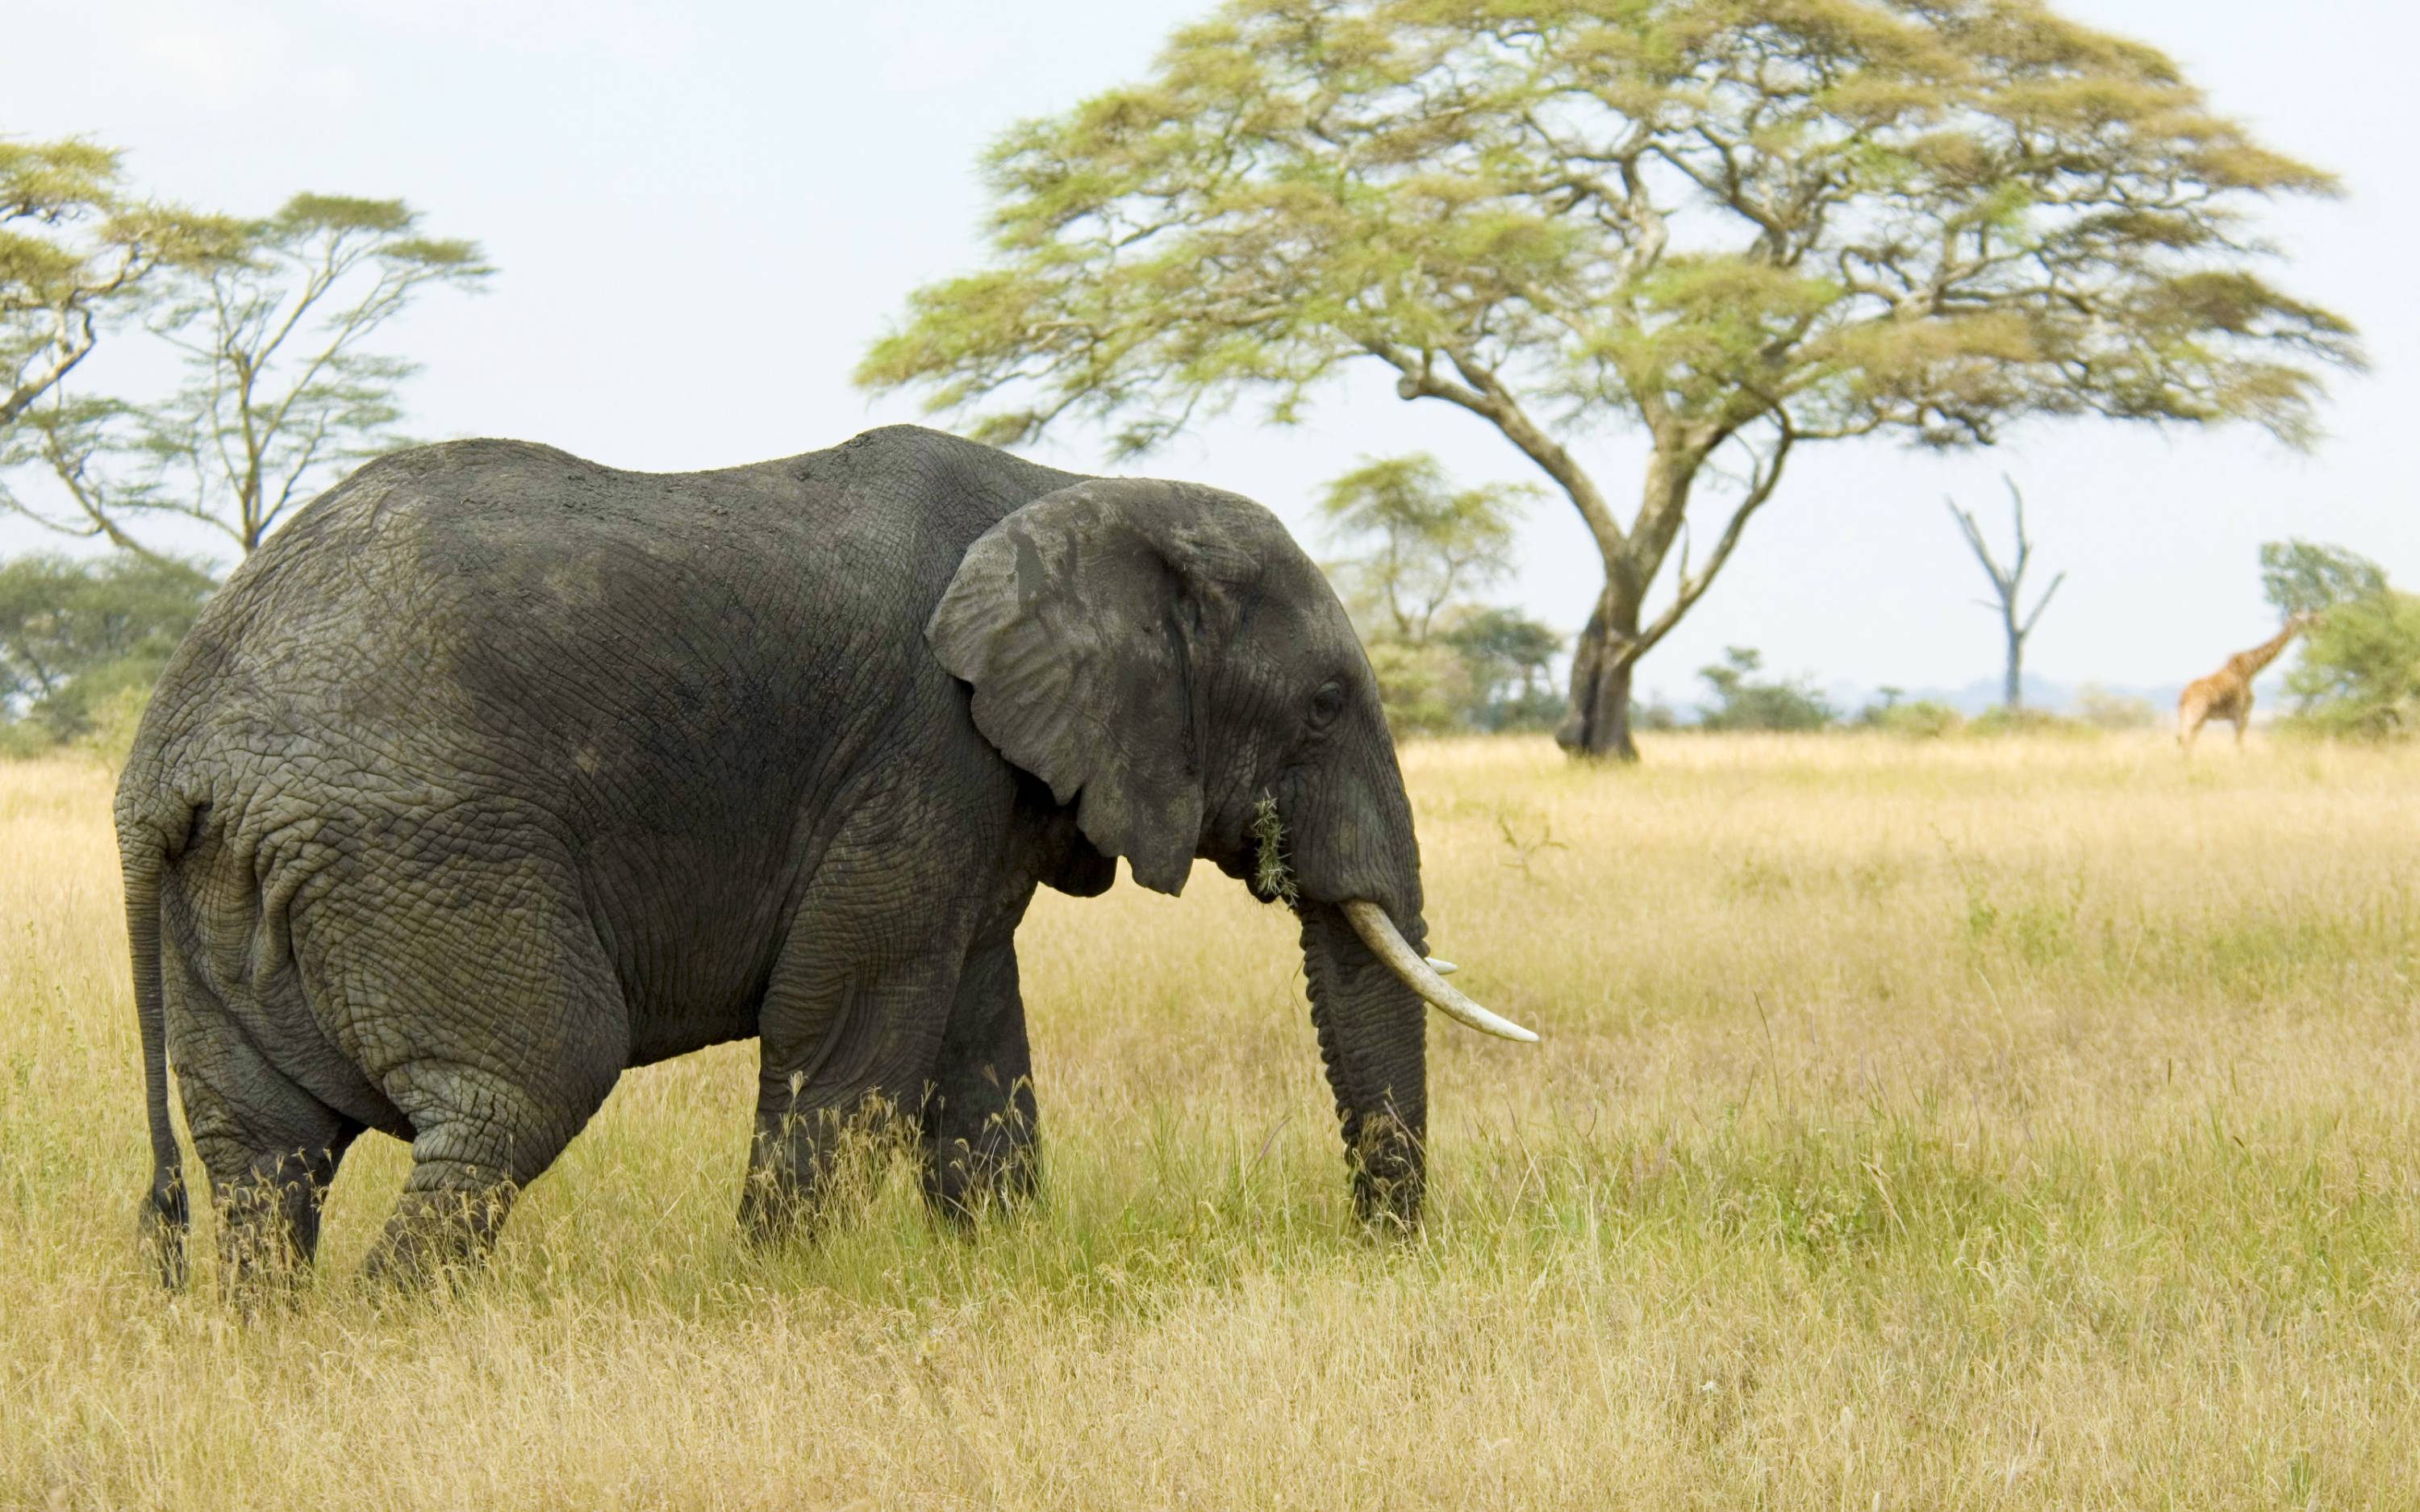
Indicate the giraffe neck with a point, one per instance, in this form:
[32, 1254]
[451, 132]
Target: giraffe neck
[2249, 663]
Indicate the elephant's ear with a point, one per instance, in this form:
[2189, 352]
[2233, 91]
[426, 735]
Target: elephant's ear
[1080, 620]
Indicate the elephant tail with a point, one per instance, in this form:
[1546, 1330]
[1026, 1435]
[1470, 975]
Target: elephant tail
[164, 1217]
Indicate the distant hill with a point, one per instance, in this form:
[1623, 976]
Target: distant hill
[2041, 693]
[1984, 694]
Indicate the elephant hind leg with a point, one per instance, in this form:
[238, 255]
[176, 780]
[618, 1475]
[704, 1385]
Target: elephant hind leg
[269, 1211]
[493, 1024]
[271, 1147]
[452, 1207]
[481, 1131]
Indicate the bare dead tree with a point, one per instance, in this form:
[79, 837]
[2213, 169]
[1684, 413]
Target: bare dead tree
[2008, 586]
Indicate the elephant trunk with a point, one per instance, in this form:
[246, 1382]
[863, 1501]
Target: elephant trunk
[1373, 1033]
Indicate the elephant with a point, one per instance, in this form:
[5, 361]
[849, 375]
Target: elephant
[497, 772]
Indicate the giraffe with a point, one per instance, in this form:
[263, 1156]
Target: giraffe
[2226, 693]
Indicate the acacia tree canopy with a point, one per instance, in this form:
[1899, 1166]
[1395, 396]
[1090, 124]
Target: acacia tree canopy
[1735, 225]
[75, 249]
[1426, 541]
[2305, 577]
[282, 390]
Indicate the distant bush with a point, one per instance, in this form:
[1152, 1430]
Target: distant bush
[1505, 656]
[1425, 690]
[2104, 710]
[2007, 721]
[1922, 719]
[1533, 712]
[1742, 702]
[81, 642]
[20, 740]
[112, 714]
[2360, 671]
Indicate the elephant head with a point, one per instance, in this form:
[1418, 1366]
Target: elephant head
[1178, 672]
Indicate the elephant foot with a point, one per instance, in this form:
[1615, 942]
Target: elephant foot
[804, 1164]
[965, 1182]
[774, 1212]
[160, 1224]
[437, 1236]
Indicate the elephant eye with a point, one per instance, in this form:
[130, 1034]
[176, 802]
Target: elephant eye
[1326, 704]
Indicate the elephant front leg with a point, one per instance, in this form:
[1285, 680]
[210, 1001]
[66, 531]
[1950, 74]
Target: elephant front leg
[843, 1061]
[979, 1139]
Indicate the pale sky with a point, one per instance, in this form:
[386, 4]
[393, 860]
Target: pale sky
[704, 212]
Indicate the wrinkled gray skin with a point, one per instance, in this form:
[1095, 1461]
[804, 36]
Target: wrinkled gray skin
[498, 772]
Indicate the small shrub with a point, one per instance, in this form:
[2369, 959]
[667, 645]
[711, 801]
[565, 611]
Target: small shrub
[111, 720]
[20, 740]
[2104, 710]
[1526, 713]
[1923, 719]
[97, 712]
[1656, 715]
[2007, 721]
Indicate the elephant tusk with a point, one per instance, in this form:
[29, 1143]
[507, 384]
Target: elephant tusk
[1442, 967]
[1384, 941]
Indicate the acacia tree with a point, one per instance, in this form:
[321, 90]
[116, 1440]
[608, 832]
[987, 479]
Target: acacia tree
[2305, 577]
[2359, 673]
[281, 392]
[1421, 546]
[2007, 588]
[1741, 227]
[76, 248]
[1507, 655]
[1427, 541]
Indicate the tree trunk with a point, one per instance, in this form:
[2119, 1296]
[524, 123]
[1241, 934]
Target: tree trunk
[1597, 727]
[2015, 690]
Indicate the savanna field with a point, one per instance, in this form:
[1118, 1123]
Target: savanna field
[1968, 1124]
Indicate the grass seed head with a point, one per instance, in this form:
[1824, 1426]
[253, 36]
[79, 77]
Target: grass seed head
[1271, 877]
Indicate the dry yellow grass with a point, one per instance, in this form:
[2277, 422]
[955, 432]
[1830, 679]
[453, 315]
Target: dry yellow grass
[2008, 1125]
